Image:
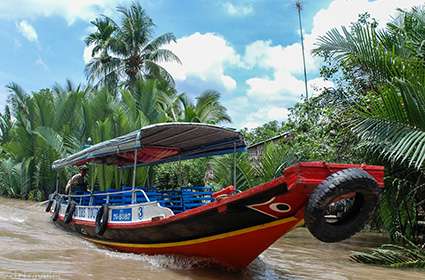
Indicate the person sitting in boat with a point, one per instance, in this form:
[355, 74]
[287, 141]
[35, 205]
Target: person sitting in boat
[77, 182]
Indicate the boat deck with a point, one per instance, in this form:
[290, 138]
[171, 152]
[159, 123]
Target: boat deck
[178, 201]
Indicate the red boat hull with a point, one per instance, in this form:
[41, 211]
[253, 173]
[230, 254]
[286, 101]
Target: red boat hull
[236, 249]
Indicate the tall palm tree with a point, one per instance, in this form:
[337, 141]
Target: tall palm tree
[102, 63]
[128, 49]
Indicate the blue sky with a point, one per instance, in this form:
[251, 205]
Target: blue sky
[248, 50]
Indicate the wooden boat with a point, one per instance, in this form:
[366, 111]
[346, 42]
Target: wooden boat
[228, 227]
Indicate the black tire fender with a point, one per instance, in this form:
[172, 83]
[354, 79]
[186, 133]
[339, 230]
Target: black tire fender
[102, 219]
[49, 204]
[344, 182]
[57, 209]
[69, 212]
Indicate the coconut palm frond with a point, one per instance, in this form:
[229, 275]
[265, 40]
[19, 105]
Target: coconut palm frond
[223, 171]
[392, 121]
[274, 158]
[154, 70]
[52, 138]
[127, 50]
[393, 141]
[160, 41]
[411, 256]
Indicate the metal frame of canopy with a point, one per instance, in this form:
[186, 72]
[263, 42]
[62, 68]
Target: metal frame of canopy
[185, 138]
[179, 141]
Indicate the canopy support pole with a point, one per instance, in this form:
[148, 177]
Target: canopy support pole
[133, 193]
[57, 182]
[234, 164]
[133, 198]
[179, 172]
[92, 169]
[120, 177]
[92, 172]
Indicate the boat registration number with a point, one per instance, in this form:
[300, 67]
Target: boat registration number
[121, 215]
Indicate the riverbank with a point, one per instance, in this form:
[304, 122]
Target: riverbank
[32, 247]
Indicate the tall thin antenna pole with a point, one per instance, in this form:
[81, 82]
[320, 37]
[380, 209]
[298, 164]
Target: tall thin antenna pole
[298, 4]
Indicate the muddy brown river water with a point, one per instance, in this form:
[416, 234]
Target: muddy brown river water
[31, 247]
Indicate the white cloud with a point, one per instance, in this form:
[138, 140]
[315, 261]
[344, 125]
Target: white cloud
[266, 102]
[27, 30]
[204, 56]
[343, 12]
[69, 9]
[40, 62]
[279, 58]
[3, 99]
[87, 52]
[284, 86]
[238, 10]
[265, 114]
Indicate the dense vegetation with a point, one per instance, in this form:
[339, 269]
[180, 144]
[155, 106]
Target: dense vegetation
[40, 127]
[382, 75]
[49, 124]
[374, 113]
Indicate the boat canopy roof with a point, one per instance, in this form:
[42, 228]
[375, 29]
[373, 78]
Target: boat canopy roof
[159, 143]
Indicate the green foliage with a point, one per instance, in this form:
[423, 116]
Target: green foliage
[40, 127]
[398, 209]
[274, 158]
[264, 132]
[6, 124]
[384, 72]
[391, 122]
[207, 108]
[316, 130]
[183, 173]
[54, 123]
[127, 49]
[233, 168]
[250, 171]
[14, 180]
[36, 195]
[409, 256]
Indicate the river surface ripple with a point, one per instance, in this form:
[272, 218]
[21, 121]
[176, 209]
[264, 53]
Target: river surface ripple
[31, 247]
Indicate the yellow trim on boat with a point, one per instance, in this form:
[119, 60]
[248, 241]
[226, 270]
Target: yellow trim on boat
[195, 241]
[300, 223]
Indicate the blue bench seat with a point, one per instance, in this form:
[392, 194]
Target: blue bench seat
[177, 200]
